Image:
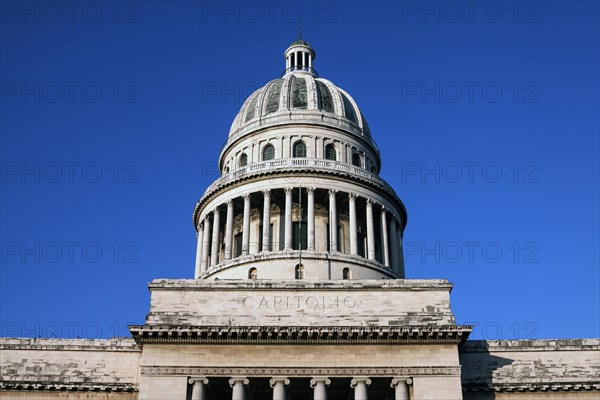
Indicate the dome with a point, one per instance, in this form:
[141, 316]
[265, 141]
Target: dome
[300, 96]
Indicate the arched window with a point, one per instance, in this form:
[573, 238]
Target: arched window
[330, 152]
[299, 271]
[356, 159]
[252, 274]
[347, 274]
[299, 149]
[243, 160]
[268, 152]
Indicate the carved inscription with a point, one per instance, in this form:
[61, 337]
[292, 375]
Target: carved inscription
[299, 302]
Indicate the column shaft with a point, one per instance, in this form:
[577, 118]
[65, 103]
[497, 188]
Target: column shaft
[246, 226]
[394, 245]
[333, 245]
[214, 255]
[205, 244]
[384, 236]
[353, 230]
[198, 388]
[288, 219]
[360, 388]
[278, 385]
[370, 231]
[198, 269]
[311, 218]
[229, 231]
[266, 220]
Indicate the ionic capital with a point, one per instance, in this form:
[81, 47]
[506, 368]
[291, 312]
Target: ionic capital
[398, 381]
[235, 380]
[314, 381]
[358, 380]
[199, 379]
[275, 380]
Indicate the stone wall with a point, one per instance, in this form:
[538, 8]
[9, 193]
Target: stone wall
[71, 368]
[531, 369]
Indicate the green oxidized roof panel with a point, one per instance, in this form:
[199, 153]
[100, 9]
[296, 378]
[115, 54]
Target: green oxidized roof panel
[299, 94]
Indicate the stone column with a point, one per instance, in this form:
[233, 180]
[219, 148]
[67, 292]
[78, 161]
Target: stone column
[288, 219]
[360, 388]
[349, 154]
[320, 154]
[205, 244]
[370, 230]
[311, 218]
[238, 385]
[278, 384]
[319, 386]
[384, 238]
[332, 221]
[352, 212]
[215, 237]
[229, 230]
[266, 220]
[198, 386]
[394, 244]
[310, 62]
[401, 388]
[198, 269]
[246, 226]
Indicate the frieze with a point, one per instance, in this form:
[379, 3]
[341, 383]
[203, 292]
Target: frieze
[154, 370]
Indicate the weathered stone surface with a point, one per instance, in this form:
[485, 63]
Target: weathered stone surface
[69, 365]
[548, 366]
[300, 303]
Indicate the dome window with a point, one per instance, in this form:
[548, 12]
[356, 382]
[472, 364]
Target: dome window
[299, 149]
[347, 274]
[356, 159]
[268, 152]
[299, 271]
[243, 160]
[330, 152]
[253, 274]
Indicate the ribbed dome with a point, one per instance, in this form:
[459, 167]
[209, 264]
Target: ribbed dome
[299, 95]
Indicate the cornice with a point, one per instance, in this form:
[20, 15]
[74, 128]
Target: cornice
[313, 335]
[533, 387]
[69, 387]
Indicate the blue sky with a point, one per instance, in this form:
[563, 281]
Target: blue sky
[112, 116]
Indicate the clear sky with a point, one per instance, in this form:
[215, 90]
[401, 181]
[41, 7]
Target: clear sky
[113, 114]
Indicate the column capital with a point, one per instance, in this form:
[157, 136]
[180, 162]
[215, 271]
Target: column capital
[246, 196]
[216, 209]
[277, 379]
[314, 381]
[229, 202]
[333, 192]
[310, 190]
[200, 379]
[267, 192]
[352, 196]
[357, 380]
[288, 190]
[370, 202]
[398, 381]
[235, 380]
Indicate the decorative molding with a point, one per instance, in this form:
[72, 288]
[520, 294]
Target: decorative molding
[158, 370]
[532, 387]
[277, 335]
[69, 387]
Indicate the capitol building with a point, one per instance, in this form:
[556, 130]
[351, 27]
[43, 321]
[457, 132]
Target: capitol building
[299, 288]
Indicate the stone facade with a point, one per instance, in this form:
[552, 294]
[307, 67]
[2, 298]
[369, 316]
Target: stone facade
[299, 289]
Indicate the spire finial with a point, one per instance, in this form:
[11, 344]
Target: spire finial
[300, 28]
